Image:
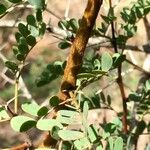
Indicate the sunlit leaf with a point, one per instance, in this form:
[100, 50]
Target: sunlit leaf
[48, 124]
[106, 61]
[118, 144]
[22, 123]
[70, 135]
[39, 4]
[3, 113]
[82, 143]
[31, 108]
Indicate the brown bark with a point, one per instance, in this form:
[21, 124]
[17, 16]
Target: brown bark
[77, 49]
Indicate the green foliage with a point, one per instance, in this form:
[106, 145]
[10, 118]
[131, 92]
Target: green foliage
[38, 4]
[48, 124]
[70, 135]
[63, 45]
[106, 62]
[2, 9]
[54, 101]
[142, 99]
[3, 113]
[37, 111]
[11, 65]
[22, 123]
[14, 1]
[51, 72]
[94, 67]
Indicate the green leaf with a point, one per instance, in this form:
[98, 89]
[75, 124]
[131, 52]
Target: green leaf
[34, 30]
[14, 1]
[3, 113]
[99, 147]
[93, 133]
[97, 64]
[22, 40]
[54, 101]
[48, 124]
[140, 128]
[102, 97]
[106, 19]
[147, 85]
[22, 123]
[111, 143]
[63, 45]
[132, 19]
[54, 133]
[139, 12]
[30, 107]
[31, 20]
[63, 24]
[11, 65]
[68, 113]
[85, 109]
[68, 117]
[31, 40]
[121, 40]
[134, 97]
[106, 61]
[23, 29]
[2, 9]
[38, 4]
[42, 29]
[20, 57]
[118, 59]
[42, 111]
[109, 128]
[109, 100]
[117, 122]
[82, 144]
[86, 75]
[74, 24]
[146, 10]
[66, 145]
[118, 144]
[18, 36]
[39, 17]
[85, 115]
[70, 135]
[15, 50]
[23, 49]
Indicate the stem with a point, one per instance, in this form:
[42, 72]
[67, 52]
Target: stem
[122, 91]
[16, 97]
[120, 80]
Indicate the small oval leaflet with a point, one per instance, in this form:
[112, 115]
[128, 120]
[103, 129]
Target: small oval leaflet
[22, 123]
[2, 9]
[31, 40]
[54, 101]
[48, 124]
[106, 61]
[70, 135]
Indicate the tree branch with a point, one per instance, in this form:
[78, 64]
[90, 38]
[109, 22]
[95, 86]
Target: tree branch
[78, 47]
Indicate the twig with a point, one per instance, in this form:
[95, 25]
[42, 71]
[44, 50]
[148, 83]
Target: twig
[137, 67]
[120, 80]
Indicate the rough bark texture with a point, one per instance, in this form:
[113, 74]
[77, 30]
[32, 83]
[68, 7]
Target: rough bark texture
[77, 49]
